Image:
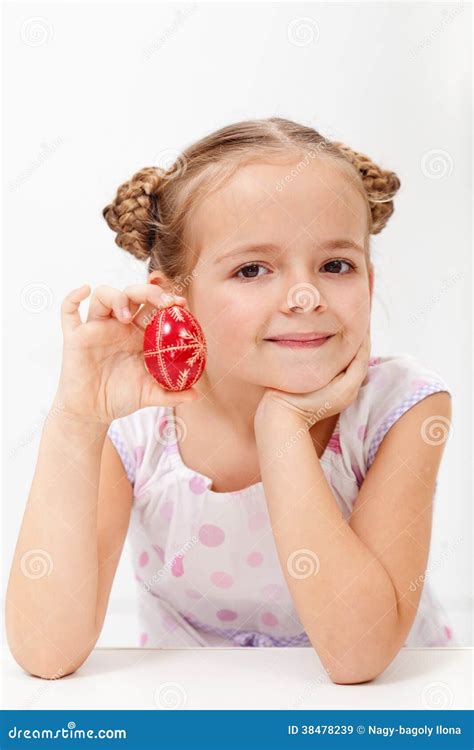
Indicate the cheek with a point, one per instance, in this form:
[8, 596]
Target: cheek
[232, 324]
[353, 311]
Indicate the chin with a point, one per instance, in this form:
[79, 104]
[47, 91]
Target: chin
[301, 384]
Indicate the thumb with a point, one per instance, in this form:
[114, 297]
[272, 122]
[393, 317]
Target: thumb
[159, 396]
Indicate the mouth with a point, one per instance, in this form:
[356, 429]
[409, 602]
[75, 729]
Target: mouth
[300, 343]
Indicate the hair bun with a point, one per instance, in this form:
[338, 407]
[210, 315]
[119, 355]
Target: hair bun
[379, 184]
[132, 213]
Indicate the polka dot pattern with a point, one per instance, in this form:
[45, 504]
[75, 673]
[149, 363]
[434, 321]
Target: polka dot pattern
[221, 579]
[177, 566]
[212, 555]
[211, 535]
[254, 559]
[227, 615]
[143, 559]
[268, 618]
[169, 623]
[334, 444]
[197, 485]
[166, 511]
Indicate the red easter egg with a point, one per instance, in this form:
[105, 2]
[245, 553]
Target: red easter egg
[174, 348]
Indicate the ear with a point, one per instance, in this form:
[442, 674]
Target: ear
[157, 277]
[371, 281]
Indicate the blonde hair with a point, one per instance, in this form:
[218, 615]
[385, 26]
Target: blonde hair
[150, 211]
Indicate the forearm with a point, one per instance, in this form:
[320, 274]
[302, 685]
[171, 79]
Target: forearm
[344, 597]
[52, 591]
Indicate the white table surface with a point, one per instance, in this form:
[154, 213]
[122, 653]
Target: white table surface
[243, 678]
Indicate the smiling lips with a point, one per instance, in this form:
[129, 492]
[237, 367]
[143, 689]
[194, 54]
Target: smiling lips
[301, 339]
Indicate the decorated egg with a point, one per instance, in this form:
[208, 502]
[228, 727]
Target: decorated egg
[174, 348]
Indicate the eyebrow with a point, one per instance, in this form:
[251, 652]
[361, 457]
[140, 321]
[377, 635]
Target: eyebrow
[270, 248]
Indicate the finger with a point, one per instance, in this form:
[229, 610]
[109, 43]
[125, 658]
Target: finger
[146, 313]
[106, 300]
[123, 304]
[70, 317]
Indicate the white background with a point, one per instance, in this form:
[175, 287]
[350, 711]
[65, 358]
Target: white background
[94, 92]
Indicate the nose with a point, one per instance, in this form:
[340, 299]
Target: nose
[303, 297]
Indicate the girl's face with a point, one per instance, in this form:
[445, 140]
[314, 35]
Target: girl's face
[294, 282]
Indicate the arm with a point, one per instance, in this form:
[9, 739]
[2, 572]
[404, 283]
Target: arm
[356, 603]
[68, 547]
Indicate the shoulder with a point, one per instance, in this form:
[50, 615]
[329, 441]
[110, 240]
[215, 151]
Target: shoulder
[139, 435]
[393, 385]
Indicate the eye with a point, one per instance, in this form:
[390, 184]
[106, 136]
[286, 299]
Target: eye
[249, 267]
[336, 263]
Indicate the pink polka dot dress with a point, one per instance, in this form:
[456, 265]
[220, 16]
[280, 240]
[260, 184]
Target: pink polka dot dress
[206, 564]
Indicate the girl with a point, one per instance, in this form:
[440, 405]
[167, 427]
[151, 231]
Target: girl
[286, 498]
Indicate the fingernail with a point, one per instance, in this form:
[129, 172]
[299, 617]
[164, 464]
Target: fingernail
[125, 312]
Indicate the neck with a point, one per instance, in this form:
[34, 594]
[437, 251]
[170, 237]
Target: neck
[235, 402]
[232, 401]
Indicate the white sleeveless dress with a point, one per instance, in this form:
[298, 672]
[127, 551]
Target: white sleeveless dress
[206, 563]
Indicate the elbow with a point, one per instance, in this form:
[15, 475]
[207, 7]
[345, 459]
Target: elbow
[48, 657]
[43, 660]
[45, 672]
[41, 665]
[355, 672]
[357, 666]
[344, 678]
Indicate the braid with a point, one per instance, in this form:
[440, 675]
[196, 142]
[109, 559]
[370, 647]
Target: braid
[134, 211]
[380, 185]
